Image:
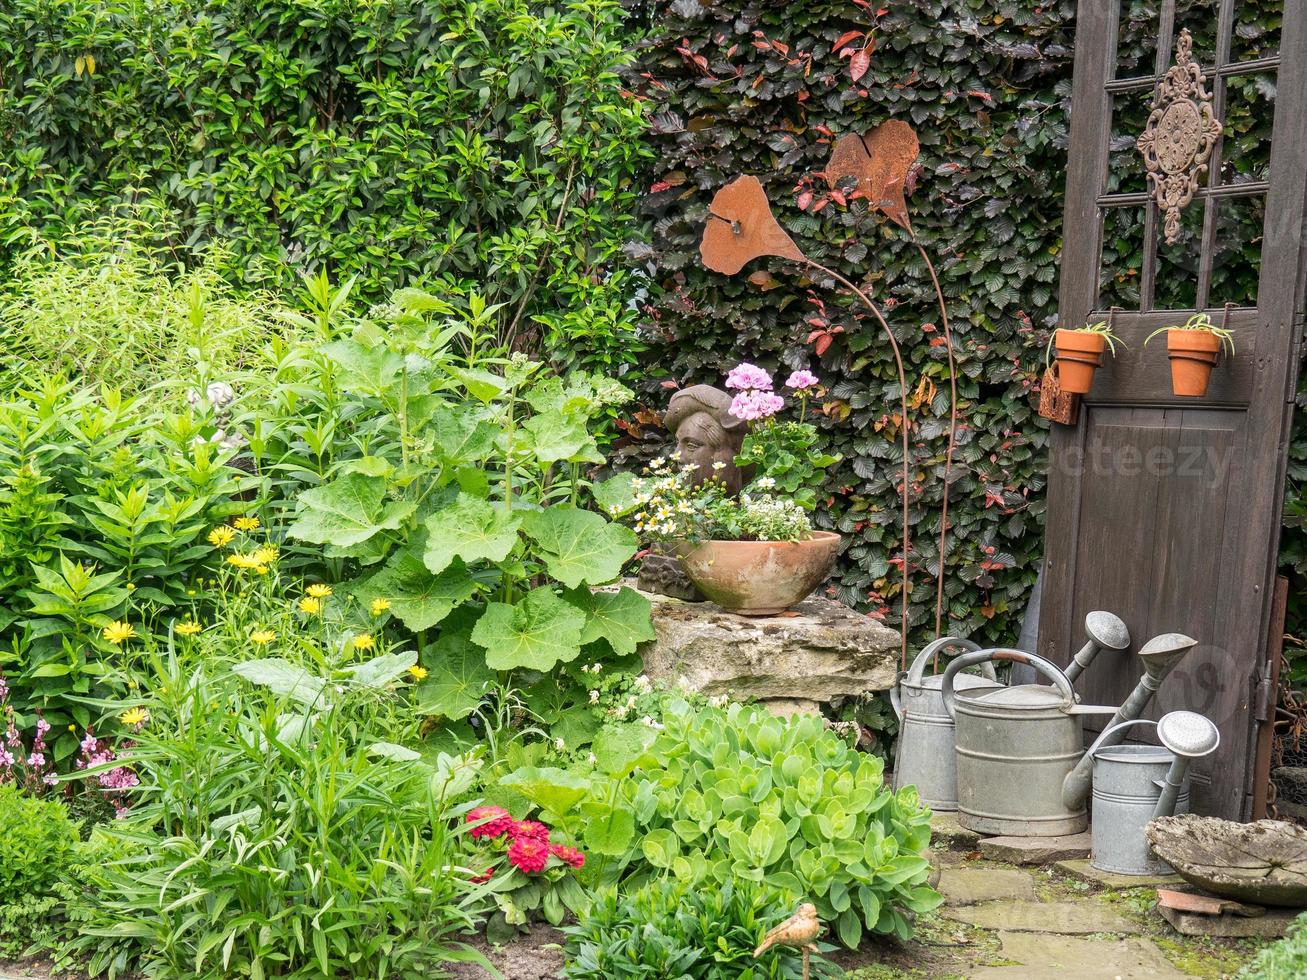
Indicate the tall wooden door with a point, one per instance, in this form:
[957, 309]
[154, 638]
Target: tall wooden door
[1165, 509]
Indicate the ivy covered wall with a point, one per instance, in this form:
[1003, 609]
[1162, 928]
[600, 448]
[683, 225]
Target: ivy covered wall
[764, 89]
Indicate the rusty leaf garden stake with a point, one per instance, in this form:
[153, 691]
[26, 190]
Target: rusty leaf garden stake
[881, 162]
[741, 228]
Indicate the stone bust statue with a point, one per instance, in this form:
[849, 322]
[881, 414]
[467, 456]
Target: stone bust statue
[707, 433]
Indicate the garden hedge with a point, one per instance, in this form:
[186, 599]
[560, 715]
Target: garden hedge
[484, 143]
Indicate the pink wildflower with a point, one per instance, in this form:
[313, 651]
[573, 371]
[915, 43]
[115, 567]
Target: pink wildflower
[754, 405]
[801, 380]
[528, 854]
[497, 821]
[748, 377]
[568, 855]
[529, 830]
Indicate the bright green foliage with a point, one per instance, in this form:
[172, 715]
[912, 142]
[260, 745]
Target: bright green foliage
[760, 90]
[740, 794]
[450, 483]
[669, 929]
[1282, 959]
[104, 504]
[36, 839]
[403, 141]
[282, 829]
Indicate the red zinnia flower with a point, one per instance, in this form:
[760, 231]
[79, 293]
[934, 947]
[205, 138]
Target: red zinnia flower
[568, 855]
[529, 830]
[493, 821]
[484, 876]
[529, 855]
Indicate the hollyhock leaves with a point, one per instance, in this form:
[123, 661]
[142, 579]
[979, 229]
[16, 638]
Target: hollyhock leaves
[417, 597]
[457, 677]
[578, 546]
[537, 632]
[471, 529]
[554, 790]
[348, 511]
[622, 618]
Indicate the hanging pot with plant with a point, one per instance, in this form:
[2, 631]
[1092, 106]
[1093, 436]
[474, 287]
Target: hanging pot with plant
[1079, 353]
[1193, 348]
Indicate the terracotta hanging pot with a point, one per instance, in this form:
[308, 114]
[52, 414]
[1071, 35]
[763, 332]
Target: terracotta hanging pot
[1193, 354]
[1079, 352]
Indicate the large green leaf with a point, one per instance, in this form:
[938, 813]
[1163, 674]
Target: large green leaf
[551, 789]
[579, 546]
[470, 529]
[616, 495]
[557, 437]
[283, 678]
[369, 371]
[348, 511]
[623, 618]
[382, 670]
[462, 435]
[457, 677]
[607, 829]
[538, 631]
[418, 598]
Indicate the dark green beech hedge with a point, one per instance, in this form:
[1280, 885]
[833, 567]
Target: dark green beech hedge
[760, 89]
[485, 143]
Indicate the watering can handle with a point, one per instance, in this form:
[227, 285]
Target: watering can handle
[1045, 667]
[918, 668]
[1102, 736]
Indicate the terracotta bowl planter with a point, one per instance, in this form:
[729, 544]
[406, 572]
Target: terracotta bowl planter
[1079, 353]
[759, 578]
[1193, 354]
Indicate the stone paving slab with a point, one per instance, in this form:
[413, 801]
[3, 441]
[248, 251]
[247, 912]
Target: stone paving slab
[945, 829]
[1062, 918]
[1272, 925]
[1085, 872]
[1036, 850]
[1070, 958]
[967, 886]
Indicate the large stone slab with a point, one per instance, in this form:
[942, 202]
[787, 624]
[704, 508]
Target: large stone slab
[821, 651]
[1085, 871]
[1036, 850]
[945, 829]
[967, 886]
[1062, 918]
[1272, 925]
[1262, 863]
[1070, 958]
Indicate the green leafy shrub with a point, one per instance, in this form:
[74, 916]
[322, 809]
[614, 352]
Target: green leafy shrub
[280, 831]
[36, 838]
[1282, 959]
[671, 929]
[105, 501]
[130, 321]
[405, 141]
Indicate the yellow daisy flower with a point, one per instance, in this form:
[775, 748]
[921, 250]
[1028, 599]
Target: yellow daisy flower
[262, 638]
[379, 606]
[244, 561]
[319, 591]
[188, 628]
[134, 716]
[364, 641]
[265, 555]
[260, 569]
[310, 605]
[246, 523]
[118, 632]
[418, 673]
[221, 536]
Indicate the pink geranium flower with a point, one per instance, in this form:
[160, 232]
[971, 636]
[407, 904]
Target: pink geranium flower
[801, 380]
[748, 377]
[754, 405]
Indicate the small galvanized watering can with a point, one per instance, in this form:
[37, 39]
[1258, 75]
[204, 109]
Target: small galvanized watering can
[925, 756]
[1134, 784]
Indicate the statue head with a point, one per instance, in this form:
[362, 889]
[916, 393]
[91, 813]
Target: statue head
[707, 433]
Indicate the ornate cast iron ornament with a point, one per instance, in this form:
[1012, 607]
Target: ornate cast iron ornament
[1178, 139]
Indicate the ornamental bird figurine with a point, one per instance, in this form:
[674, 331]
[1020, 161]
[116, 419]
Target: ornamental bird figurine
[799, 931]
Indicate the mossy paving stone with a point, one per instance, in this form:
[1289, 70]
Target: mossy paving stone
[1033, 955]
[1065, 918]
[968, 886]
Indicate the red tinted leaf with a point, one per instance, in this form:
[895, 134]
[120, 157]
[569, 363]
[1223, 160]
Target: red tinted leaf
[845, 38]
[804, 200]
[823, 344]
[859, 64]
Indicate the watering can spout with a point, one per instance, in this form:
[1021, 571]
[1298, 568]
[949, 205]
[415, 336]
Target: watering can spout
[1159, 656]
[1187, 735]
[1105, 631]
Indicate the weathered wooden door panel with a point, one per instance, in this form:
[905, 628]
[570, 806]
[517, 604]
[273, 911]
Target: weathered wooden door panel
[1163, 509]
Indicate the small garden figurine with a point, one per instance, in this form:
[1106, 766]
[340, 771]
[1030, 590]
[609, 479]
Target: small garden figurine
[800, 931]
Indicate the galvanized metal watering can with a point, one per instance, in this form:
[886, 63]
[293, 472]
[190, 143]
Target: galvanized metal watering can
[925, 756]
[1134, 784]
[1021, 766]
